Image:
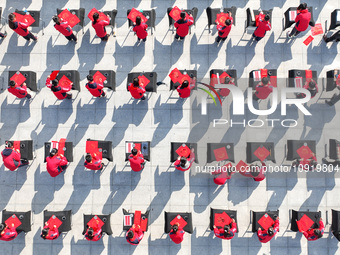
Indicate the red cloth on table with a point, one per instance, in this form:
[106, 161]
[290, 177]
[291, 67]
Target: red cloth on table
[54, 221]
[175, 75]
[92, 148]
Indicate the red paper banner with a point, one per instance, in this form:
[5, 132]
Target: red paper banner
[317, 29]
[28, 19]
[72, 19]
[178, 219]
[262, 153]
[65, 82]
[93, 223]
[175, 75]
[266, 221]
[18, 78]
[183, 151]
[308, 40]
[143, 80]
[221, 18]
[102, 15]
[54, 221]
[133, 15]
[13, 220]
[98, 77]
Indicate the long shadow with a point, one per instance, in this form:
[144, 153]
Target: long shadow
[40, 247]
[272, 53]
[320, 112]
[163, 195]
[163, 116]
[12, 115]
[44, 192]
[239, 242]
[7, 190]
[202, 244]
[49, 120]
[58, 55]
[161, 60]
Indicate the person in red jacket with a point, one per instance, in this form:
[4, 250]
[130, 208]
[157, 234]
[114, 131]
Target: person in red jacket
[266, 235]
[314, 234]
[183, 164]
[184, 90]
[12, 157]
[182, 26]
[302, 20]
[64, 28]
[312, 87]
[55, 164]
[262, 28]
[58, 91]
[176, 233]
[137, 90]
[136, 160]
[263, 89]
[49, 233]
[134, 235]
[224, 30]
[140, 29]
[96, 89]
[18, 91]
[20, 28]
[93, 163]
[94, 234]
[7, 233]
[223, 174]
[3, 35]
[99, 26]
[228, 232]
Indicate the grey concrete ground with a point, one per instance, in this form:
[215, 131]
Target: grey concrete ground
[160, 120]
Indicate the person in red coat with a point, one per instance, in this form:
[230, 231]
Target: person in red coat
[140, 29]
[20, 28]
[263, 89]
[96, 89]
[183, 163]
[64, 28]
[266, 235]
[176, 233]
[93, 163]
[228, 232]
[49, 233]
[314, 234]
[302, 20]
[55, 164]
[137, 90]
[184, 90]
[12, 157]
[182, 26]
[7, 233]
[262, 28]
[136, 160]
[94, 234]
[134, 235]
[312, 87]
[224, 30]
[223, 174]
[20, 91]
[99, 26]
[58, 91]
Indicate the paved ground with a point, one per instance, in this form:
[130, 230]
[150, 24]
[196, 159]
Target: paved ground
[160, 120]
